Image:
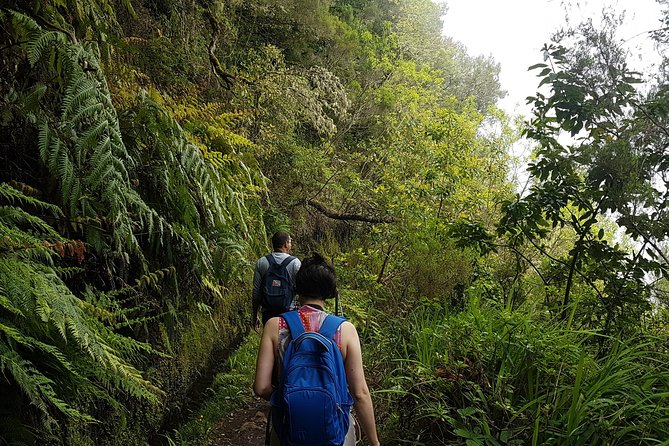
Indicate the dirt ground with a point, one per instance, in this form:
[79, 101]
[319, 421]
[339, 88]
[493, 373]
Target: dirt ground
[244, 427]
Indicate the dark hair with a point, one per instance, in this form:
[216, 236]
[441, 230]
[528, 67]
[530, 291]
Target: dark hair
[316, 278]
[279, 239]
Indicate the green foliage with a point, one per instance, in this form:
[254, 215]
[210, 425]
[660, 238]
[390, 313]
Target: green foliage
[230, 391]
[81, 145]
[51, 340]
[199, 191]
[142, 200]
[608, 170]
[492, 377]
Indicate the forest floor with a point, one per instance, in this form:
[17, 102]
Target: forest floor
[243, 427]
[230, 414]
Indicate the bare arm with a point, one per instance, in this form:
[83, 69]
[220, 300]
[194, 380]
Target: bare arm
[357, 383]
[265, 362]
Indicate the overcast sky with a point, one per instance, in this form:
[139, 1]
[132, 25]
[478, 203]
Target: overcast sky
[513, 32]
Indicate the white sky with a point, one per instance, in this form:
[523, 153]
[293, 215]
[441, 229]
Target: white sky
[513, 32]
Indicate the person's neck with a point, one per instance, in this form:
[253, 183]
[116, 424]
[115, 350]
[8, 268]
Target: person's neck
[282, 250]
[314, 301]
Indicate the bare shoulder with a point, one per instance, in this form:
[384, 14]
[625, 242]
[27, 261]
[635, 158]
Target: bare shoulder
[271, 328]
[348, 331]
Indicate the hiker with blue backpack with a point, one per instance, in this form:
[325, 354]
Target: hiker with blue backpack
[310, 368]
[274, 281]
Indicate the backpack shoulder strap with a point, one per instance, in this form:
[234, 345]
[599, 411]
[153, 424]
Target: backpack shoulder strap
[270, 259]
[287, 260]
[330, 325]
[294, 323]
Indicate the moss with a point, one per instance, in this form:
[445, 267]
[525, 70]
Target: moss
[230, 390]
[199, 348]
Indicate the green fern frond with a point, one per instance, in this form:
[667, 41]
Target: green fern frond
[15, 196]
[104, 169]
[87, 112]
[7, 305]
[84, 150]
[46, 296]
[38, 48]
[13, 216]
[89, 139]
[62, 332]
[35, 385]
[30, 102]
[44, 141]
[66, 273]
[26, 26]
[81, 93]
[14, 335]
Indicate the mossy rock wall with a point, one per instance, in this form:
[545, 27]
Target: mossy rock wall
[195, 350]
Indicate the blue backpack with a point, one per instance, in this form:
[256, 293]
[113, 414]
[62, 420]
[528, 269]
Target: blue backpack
[311, 405]
[278, 287]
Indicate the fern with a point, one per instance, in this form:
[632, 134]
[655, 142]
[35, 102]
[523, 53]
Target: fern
[34, 384]
[15, 196]
[40, 46]
[45, 301]
[51, 339]
[198, 185]
[15, 336]
[83, 148]
[30, 103]
[213, 186]
[82, 91]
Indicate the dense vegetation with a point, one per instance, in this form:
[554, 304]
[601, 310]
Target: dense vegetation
[148, 147]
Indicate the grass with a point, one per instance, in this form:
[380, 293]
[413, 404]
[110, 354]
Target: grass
[490, 376]
[230, 390]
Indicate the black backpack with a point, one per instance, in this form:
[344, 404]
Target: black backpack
[277, 290]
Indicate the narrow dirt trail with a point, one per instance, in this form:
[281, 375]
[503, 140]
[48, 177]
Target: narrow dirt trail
[244, 427]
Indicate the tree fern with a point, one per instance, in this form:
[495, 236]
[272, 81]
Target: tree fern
[13, 195]
[34, 384]
[199, 195]
[198, 186]
[201, 191]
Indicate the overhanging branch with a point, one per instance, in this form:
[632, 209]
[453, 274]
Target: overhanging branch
[348, 217]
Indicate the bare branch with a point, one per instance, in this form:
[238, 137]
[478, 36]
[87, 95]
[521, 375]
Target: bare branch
[348, 217]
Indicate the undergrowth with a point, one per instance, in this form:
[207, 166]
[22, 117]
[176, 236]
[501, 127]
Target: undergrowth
[230, 390]
[491, 376]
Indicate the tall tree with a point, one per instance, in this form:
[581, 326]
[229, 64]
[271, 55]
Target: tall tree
[612, 168]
